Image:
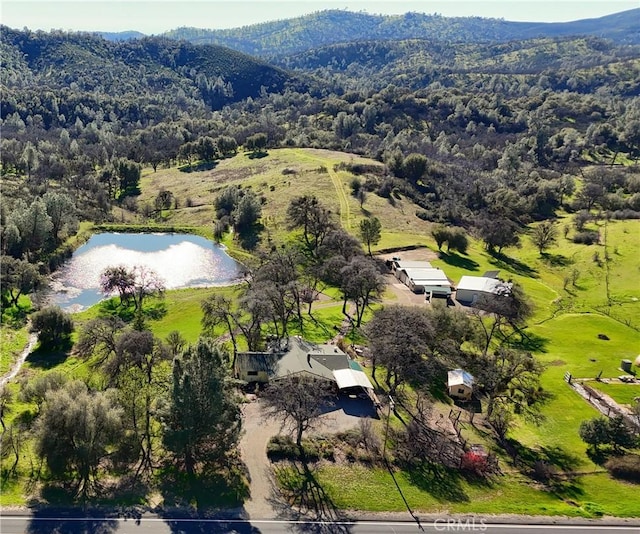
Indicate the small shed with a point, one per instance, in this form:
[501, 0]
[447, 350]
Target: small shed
[460, 384]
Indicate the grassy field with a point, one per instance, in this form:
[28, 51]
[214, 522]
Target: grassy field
[306, 171]
[13, 333]
[357, 487]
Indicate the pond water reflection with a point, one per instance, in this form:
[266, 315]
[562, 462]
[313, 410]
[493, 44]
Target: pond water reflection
[181, 260]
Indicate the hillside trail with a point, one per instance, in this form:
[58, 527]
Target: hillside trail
[33, 339]
[343, 198]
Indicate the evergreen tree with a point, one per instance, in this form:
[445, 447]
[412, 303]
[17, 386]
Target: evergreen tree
[202, 422]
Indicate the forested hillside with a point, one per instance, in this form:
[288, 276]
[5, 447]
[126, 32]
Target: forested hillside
[469, 132]
[159, 70]
[580, 64]
[284, 37]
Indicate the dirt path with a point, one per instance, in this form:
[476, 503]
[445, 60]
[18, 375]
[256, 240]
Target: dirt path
[343, 198]
[33, 339]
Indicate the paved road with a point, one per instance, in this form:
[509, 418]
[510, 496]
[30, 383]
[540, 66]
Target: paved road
[17, 524]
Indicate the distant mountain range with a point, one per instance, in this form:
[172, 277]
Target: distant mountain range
[289, 36]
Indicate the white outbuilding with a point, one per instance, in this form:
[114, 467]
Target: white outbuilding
[460, 384]
[422, 277]
[471, 287]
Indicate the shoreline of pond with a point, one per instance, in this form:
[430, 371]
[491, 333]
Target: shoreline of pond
[218, 250]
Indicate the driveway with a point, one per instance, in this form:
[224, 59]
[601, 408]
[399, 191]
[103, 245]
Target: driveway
[258, 429]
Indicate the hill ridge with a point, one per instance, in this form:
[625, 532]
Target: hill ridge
[321, 28]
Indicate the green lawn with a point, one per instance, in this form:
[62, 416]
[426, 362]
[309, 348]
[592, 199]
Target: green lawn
[372, 489]
[13, 333]
[12, 341]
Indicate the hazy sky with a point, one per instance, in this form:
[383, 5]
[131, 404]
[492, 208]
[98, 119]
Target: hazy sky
[156, 16]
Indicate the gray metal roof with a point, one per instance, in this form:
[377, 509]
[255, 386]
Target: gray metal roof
[299, 357]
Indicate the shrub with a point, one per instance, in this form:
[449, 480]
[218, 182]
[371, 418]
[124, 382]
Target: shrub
[588, 237]
[626, 467]
[474, 462]
[385, 188]
[282, 448]
[625, 214]
[54, 327]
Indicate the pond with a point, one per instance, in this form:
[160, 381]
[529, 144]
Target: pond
[181, 260]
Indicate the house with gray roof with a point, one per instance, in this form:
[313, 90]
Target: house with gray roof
[302, 358]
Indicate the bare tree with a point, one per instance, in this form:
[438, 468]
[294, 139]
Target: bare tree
[399, 341]
[510, 378]
[147, 283]
[507, 306]
[136, 283]
[544, 235]
[308, 213]
[361, 283]
[298, 401]
[98, 337]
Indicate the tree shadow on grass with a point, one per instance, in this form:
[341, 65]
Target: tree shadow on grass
[48, 358]
[556, 260]
[444, 485]
[512, 265]
[598, 456]
[304, 498]
[205, 492]
[528, 341]
[257, 154]
[153, 309]
[456, 260]
[199, 167]
[553, 466]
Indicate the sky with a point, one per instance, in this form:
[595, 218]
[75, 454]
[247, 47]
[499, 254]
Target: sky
[157, 16]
